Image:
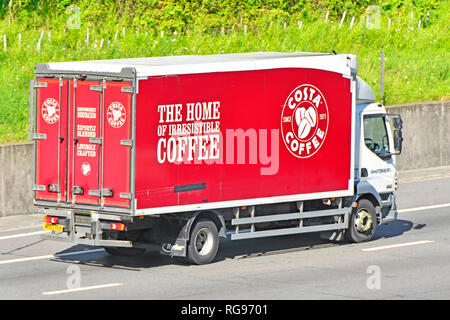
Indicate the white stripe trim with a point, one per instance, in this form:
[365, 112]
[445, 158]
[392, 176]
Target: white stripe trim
[247, 202]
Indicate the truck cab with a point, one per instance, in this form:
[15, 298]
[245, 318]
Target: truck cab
[378, 140]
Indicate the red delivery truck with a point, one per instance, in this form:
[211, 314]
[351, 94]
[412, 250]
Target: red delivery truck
[175, 152]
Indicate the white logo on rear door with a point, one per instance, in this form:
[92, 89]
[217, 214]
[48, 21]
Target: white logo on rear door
[50, 110]
[85, 169]
[116, 114]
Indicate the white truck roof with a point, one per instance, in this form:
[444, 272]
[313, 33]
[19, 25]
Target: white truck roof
[189, 64]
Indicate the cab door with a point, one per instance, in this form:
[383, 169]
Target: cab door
[376, 153]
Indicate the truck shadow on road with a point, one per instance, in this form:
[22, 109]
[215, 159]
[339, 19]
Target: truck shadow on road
[234, 250]
[395, 229]
[301, 242]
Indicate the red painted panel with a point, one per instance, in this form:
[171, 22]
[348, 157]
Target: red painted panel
[51, 119]
[302, 116]
[83, 156]
[117, 157]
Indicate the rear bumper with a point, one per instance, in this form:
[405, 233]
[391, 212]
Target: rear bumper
[86, 228]
[92, 229]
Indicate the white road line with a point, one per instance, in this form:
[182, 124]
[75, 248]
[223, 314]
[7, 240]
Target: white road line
[101, 286]
[23, 235]
[398, 245]
[436, 206]
[50, 256]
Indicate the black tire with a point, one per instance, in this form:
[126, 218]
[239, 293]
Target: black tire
[363, 222]
[203, 243]
[125, 252]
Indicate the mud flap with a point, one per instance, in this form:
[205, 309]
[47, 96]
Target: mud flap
[337, 235]
[179, 248]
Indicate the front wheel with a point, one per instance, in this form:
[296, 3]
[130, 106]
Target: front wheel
[363, 222]
[204, 242]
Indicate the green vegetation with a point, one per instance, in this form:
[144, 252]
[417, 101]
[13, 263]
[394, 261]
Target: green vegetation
[416, 68]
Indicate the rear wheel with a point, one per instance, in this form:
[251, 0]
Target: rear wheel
[363, 222]
[125, 252]
[204, 242]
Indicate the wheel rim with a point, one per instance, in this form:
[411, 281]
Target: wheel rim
[204, 240]
[363, 221]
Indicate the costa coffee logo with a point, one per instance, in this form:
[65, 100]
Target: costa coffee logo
[50, 110]
[304, 121]
[116, 114]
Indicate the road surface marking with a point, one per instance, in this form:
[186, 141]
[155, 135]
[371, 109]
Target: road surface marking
[23, 235]
[50, 256]
[428, 178]
[398, 245]
[436, 206]
[101, 286]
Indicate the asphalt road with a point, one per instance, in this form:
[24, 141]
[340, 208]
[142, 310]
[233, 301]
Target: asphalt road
[408, 259]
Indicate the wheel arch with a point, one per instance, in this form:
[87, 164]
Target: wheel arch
[212, 215]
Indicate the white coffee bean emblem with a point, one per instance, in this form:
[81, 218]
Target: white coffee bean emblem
[306, 120]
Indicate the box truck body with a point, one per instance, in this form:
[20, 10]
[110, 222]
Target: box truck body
[138, 152]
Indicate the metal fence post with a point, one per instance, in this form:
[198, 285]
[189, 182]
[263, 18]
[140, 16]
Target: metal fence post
[382, 76]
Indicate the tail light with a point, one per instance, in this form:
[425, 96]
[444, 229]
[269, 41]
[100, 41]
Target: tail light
[51, 220]
[117, 226]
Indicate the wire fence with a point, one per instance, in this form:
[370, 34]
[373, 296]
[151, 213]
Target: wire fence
[374, 20]
[72, 36]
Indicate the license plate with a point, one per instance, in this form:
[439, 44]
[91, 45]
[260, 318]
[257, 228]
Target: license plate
[54, 227]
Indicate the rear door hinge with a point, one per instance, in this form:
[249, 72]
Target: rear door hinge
[101, 193]
[40, 84]
[38, 136]
[95, 193]
[38, 187]
[125, 195]
[128, 143]
[107, 192]
[96, 140]
[97, 88]
[127, 89]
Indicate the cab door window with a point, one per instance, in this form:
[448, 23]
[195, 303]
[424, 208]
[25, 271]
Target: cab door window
[376, 136]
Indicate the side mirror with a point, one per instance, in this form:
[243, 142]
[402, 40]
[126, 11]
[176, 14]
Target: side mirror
[397, 123]
[398, 141]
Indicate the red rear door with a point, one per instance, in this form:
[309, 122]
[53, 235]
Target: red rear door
[51, 139]
[84, 133]
[84, 141]
[115, 179]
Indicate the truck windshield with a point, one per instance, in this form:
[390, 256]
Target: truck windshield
[375, 135]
